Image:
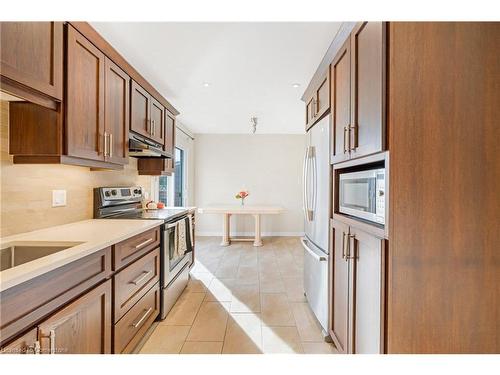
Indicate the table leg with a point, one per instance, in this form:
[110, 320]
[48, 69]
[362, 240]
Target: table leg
[225, 230]
[258, 239]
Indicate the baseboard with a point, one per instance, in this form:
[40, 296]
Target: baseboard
[250, 234]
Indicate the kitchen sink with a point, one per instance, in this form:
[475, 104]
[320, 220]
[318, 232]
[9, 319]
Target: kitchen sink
[15, 253]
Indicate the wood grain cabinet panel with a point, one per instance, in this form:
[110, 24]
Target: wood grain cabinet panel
[367, 132]
[368, 292]
[170, 134]
[139, 110]
[117, 113]
[26, 344]
[31, 59]
[157, 121]
[127, 251]
[444, 258]
[341, 102]
[131, 328]
[133, 281]
[340, 273]
[23, 305]
[85, 98]
[357, 290]
[82, 327]
[319, 104]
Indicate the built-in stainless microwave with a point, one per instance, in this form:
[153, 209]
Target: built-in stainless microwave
[362, 194]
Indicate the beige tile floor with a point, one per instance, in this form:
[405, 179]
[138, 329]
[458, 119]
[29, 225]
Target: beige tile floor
[242, 299]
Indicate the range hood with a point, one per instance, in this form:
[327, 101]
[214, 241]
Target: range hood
[139, 147]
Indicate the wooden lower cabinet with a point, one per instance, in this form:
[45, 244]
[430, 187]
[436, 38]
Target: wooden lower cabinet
[26, 344]
[82, 327]
[357, 290]
[133, 325]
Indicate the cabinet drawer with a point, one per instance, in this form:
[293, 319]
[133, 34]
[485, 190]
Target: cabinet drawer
[132, 282]
[131, 328]
[129, 250]
[25, 304]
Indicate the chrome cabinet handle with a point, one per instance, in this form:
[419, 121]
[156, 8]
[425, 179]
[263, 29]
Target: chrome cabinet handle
[153, 128]
[110, 145]
[34, 349]
[346, 144]
[138, 323]
[144, 243]
[354, 255]
[353, 137]
[141, 277]
[343, 245]
[105, 144]
[52, 341]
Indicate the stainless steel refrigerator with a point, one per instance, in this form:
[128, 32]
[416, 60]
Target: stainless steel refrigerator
[316, 207]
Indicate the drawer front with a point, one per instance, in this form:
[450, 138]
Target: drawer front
[129, 250]
[131, 328]
[133, 281]
[25, 304]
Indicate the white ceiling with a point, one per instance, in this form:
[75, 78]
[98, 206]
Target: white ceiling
[250, 68]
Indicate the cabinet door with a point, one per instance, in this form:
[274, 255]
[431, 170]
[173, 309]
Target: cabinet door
[367, 307]
[339, 320]
[116, 113]
[157, 121]
[85, 98]
[170, 134]
[26, 344]
[323, 97]
[310, 112]
[139, 110]
[368, 89]
[82, 327]
[340, 92]
[32, 55]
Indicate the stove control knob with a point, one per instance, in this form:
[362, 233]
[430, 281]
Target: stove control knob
[113, 192]
[137, 191]
[106, 193]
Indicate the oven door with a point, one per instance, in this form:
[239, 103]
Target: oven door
[358, 194]
[175, 260]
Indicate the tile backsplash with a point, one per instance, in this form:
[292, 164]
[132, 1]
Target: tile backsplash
[26, 190]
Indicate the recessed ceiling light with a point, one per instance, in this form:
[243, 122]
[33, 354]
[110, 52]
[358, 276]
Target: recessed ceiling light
[295, 85]
[206, 84]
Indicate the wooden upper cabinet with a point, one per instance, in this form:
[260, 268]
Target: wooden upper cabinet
[367, 134]
[85, 98]
[157, 121]
[368, 292]
[117, 110]
[319, 104]
[31, 59]
[82, 327]
[169, 133]
[340, 73]
[339, 291]
[139, 110]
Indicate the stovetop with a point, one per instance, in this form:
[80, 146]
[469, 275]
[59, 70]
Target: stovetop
[165, 214]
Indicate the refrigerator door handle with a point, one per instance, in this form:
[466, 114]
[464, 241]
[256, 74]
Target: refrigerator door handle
[315, 182]
[305, 172]
[319, 258]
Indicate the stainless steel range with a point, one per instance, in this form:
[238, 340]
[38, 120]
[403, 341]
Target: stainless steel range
[177, 239]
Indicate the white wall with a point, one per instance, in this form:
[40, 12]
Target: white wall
[268, 166]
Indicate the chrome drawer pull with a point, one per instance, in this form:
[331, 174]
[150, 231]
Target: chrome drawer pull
[143, 275]
[135, 325]
[52, 341]
[144, 243]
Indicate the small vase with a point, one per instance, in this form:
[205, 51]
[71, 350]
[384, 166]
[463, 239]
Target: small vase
[242, 202]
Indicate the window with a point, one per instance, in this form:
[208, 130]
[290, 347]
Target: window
[173, 186]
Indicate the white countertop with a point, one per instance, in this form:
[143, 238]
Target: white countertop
[95, 234]
[241, 210]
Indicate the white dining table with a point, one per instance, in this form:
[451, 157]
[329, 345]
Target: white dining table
[228, 211]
